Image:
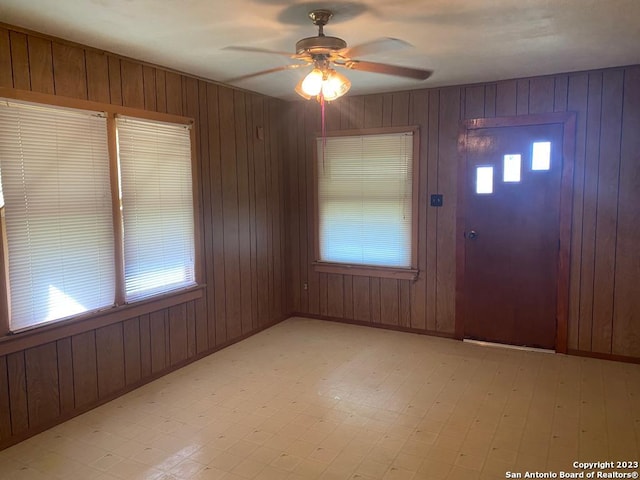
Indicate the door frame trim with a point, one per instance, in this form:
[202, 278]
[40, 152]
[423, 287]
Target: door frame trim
[568, 121]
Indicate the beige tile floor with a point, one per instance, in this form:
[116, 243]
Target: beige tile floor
[308, 399]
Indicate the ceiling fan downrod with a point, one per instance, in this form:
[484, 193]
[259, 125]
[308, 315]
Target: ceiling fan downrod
[320, 18]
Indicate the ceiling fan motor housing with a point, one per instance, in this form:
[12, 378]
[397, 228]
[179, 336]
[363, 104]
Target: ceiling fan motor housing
[320, 45]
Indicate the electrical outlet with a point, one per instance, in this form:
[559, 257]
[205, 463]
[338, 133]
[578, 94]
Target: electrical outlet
[305, 286]
[436, 200]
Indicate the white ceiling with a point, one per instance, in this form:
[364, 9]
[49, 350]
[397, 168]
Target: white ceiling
[463, 41]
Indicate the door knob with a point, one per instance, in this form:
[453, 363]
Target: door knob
[472, 235]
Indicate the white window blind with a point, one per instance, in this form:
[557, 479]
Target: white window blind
[54, 169]
[157, 206]
[365, 199]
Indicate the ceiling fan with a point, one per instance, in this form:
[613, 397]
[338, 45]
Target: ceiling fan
[324, 53]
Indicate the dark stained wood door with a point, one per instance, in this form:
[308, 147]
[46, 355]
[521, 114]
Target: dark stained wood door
[512, 234]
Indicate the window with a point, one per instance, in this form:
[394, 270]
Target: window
[157, 206]
[512, 165]
[484, 180]
[55, 175]
[66, 227]
[366, 202]
[541, 156]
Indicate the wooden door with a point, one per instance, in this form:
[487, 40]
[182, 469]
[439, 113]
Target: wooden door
[512, 217]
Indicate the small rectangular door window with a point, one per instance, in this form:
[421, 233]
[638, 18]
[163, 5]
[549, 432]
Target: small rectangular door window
[484, 180]
[541, 157]
[512, 166]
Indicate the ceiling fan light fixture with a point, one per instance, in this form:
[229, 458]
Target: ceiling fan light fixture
[326, 83]
[300, 92]
[311, 85]
[335, 85]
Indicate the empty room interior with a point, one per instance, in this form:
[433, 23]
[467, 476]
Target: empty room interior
[305, 240]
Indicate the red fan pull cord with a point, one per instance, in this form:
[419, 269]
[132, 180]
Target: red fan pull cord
[324, 127]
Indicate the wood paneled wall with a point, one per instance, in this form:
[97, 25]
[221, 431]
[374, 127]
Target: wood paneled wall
[255, 198]
[605, 257]
[241, 206]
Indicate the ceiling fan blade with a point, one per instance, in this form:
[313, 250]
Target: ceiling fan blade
[396, 70]
[265, 72]
[260, 50]
[375, 46]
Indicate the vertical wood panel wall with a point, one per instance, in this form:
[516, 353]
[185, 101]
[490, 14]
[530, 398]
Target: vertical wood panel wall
[256, 211]
[241, 205]
[605, 254]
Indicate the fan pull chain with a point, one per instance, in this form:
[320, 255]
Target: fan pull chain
[324, 128]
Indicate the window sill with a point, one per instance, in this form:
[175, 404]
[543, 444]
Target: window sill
[40, 335]
[366, 270]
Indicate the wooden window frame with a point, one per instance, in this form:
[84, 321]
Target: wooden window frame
[37, 334]
[397, 273]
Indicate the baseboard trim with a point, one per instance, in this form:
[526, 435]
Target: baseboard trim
[604, 356]
[383, 326]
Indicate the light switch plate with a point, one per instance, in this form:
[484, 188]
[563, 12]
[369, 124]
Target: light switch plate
[436, 200]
